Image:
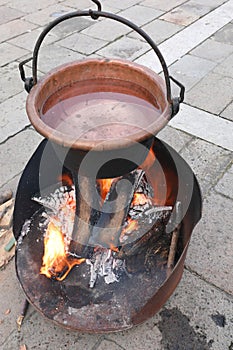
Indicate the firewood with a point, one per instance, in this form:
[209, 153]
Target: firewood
[152, 237]
[115, 209]
[82, 222]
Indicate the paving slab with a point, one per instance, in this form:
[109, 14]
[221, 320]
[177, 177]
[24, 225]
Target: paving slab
[225, 34]
[48, 14]
[189, 70]
[13, 116]
[70, 26]
[228, 112]
[210, 254]
[207, 162]
[210, 100]
[11, 184]
[82, 43]
[190, 37]
[225, 67]
[11, 84]
[52, 56]
[122, 5]
[162, 5]
[140, 14]
[124, 48]
[30, 6]
[158, 30]
[224, 185]
[15, 154]
[8, 14]
[80, 5]
[107, 344]
[186, 13]
[10, 53]
[213, 3]
[106, 30]
[14, 28]
[175, 138]
[28, 40]
[213, 50]
[204, 125]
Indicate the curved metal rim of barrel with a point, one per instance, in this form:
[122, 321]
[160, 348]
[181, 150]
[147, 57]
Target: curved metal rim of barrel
[190, 220]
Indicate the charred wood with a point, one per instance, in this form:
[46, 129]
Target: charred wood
[83, 215]
[114, 211]
[150, 239]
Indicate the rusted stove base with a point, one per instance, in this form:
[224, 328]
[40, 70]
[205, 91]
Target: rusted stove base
[72, 303]
[106, 307]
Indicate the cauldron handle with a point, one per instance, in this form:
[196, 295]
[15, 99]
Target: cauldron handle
[30, 82]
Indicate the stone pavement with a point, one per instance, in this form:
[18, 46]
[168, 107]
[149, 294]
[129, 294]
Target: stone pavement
[196, 39]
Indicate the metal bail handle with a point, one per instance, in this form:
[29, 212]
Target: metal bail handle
[31, 81]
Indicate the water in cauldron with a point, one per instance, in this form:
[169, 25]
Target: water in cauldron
[99, 115]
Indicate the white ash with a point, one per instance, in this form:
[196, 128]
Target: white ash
[104, 264]
[56, 199]
[60, 210]
[25, 230]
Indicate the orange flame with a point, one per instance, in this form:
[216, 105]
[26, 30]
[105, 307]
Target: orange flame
[66, 179]
[113, 248]
[149, 161]
[132, 225]
[105, 185]
[56, 260]
[140, 199]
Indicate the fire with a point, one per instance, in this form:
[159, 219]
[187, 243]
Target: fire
[113, 248]
[66, 179]
[56, 260]
[132, 225]
[140, 199]
[105, 185]
[149, 161]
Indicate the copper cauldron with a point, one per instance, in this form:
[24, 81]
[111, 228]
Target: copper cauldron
[113, 157]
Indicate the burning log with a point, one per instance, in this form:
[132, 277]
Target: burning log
[114, 211]
[82, 222]
[150, 238]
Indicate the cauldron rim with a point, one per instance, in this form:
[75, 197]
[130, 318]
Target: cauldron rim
[36, 98]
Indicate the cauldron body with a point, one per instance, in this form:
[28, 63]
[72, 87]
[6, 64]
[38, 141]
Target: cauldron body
[115, 156]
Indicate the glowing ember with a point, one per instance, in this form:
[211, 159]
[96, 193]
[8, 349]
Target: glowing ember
[56, 261]
[140, 199]
[132, 225]
[66, 179]
[114, 249]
